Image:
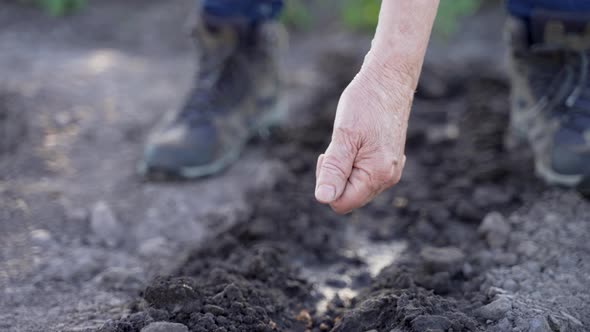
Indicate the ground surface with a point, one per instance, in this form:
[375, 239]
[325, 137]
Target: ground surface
[469, 241]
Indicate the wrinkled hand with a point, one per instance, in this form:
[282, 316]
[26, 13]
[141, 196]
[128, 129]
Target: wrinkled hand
[366, 154]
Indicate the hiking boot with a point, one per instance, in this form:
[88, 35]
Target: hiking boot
[236, 95]
[550, 101]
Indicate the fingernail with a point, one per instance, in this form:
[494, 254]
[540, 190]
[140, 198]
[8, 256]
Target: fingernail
[325, 193]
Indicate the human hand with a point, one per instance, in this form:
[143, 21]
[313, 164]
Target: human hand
[366, 154]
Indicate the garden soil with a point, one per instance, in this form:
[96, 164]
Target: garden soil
[469, 240]
[486, 247]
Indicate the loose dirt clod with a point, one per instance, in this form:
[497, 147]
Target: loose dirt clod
[495, 229]
[496, 310]
[447, 259]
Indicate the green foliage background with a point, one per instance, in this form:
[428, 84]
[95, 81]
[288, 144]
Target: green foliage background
[363, 14]
[355, 14]
[58, 7]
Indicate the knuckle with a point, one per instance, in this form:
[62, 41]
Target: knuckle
[348, 138]
[386, 173]
[333, 166]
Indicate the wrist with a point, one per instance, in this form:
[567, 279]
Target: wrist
[391, 74]
[386, 89]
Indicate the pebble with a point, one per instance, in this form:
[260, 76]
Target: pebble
[495, 291]
[432, 322]
[214, 309]
[41, 237]
[104, 225]
[165, 327]
[154, 247]
[496, 310]
[527, 248]
[495, 229]
[444, 259]
[539, 324]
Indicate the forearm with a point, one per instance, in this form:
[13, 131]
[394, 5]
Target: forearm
[366, 154]
[398, 49]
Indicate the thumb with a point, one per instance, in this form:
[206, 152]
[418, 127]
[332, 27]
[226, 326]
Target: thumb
[334, 169]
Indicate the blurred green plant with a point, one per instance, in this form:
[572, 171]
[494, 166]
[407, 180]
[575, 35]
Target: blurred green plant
[450, 11]
[296, 15]
[58, 7]
[360, 14]
[363, 14]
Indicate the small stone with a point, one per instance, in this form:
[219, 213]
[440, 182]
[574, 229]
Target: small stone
[104, 225]
[445, 259]
[214, 309]
[154, 247]
[495, 229]
[539, 324]
[496, 310]
[432, 322]
[495, 291]
[165, 327]
[41, 237]
[400, 202]
[527, 248]
[305, 318]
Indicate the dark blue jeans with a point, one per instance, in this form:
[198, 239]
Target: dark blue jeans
[524, 8]
[260, 10]
[247, 11]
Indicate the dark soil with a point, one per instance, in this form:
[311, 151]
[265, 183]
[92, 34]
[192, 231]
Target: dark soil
[468, 241]
[251, 276]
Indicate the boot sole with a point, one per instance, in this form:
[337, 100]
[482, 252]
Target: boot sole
[516, 139]
[269, 120]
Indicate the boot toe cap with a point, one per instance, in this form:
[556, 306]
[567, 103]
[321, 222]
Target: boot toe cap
[175, 149]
